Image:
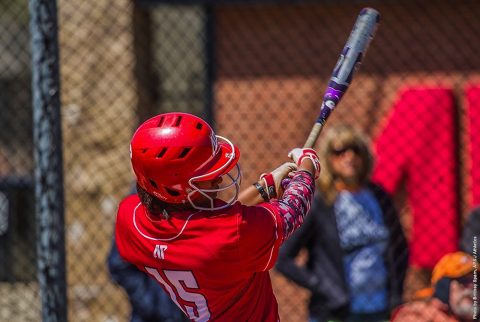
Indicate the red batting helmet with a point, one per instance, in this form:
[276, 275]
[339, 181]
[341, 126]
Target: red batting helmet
[172, 151]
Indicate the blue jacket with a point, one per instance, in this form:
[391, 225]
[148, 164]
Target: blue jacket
[323, 272]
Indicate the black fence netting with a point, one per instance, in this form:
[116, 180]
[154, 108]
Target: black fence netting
[257, 71]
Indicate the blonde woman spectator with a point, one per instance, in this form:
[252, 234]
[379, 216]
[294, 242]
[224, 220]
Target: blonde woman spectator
[357, 253]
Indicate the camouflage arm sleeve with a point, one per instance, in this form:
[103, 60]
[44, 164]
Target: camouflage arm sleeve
[295, 203]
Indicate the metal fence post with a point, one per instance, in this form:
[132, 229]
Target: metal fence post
[209, 63]
[49, 197]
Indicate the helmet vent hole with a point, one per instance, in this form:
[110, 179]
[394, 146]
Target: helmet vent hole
[162, 153]
[172, 192]
[184, 153]
[199, 126]
[160, 123]
[177, 122]
[153, 183]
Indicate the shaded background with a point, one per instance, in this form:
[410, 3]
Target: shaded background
[257, 71]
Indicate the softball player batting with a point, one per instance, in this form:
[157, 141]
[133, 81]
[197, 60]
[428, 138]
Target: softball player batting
[210, 250]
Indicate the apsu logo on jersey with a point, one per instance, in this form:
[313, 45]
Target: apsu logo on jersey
[214, 141]
[159, 251]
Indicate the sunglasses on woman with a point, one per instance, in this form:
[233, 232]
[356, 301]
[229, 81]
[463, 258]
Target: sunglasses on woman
[340, 151]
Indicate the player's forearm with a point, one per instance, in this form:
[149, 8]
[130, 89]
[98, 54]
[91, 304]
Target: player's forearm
[296, 201]
[251, 196]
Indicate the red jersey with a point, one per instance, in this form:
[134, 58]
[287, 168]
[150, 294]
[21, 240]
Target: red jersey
[214, 264]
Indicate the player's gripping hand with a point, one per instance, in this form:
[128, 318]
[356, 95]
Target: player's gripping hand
[273, 180]
[300, 154]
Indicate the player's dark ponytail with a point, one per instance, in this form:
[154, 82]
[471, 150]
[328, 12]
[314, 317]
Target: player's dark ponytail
[156, 207]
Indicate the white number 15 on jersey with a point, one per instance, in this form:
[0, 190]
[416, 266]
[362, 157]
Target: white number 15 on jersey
[199, 310]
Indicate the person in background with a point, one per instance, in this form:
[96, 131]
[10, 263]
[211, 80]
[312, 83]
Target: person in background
[469, 240]
[190, 229]
[356, 250]
[450, 298]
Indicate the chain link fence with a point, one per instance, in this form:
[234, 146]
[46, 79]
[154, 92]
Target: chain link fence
[257, 71]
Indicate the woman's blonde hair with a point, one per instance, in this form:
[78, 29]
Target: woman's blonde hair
[342, 135]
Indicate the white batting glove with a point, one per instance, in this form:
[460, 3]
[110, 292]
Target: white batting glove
[299, 154]
[273, 180]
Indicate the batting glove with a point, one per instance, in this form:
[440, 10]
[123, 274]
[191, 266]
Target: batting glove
[299, 154]
[273, 180]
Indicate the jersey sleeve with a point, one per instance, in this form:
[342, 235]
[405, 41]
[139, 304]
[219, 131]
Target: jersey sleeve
[259, 238]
